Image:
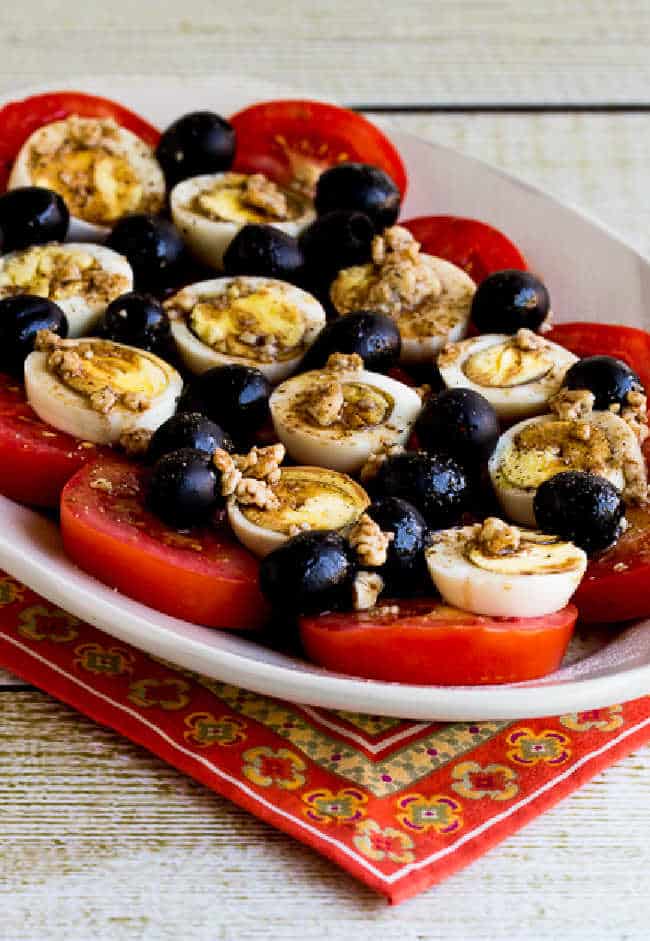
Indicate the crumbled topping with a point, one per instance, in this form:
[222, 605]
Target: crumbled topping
[572, 404]
[67, 363]
[547, 324]
[368, 541]
[257, 493]
[636, 481]
[528, 341]
[495, 537]
[449, 354]
[101, 483]
[262, 193]
[405, 279]
[324, 403]
[262, 463]
[103, 401]
[376, 459]
[136, 441]
[230, 473]
[59, 273]
[581, 431]
[47, 341]
[296, 528]
[366, 589]
[424, 391]
[635, 414]
[135, 401]
[569, 440]
[344, 362]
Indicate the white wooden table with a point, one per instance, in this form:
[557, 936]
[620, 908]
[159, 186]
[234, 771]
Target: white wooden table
[98, 840]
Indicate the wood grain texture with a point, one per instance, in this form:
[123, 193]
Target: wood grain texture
[102, 841]
[369, 50]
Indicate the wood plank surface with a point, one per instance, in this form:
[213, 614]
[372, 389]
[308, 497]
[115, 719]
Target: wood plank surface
[98, 840]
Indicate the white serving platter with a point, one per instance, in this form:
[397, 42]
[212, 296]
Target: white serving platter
[592, 275]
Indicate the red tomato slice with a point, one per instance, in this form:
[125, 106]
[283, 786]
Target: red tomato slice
[474, 246]
[296, 140]
[615, 587]
[598, 339]
[428, 643]
[37, 460]
[204, 576]
[19, 119]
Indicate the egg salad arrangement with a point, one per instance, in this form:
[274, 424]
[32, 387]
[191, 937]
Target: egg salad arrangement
[279, 407]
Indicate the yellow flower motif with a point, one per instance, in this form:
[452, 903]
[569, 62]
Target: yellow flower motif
[169, 693]
[204, 729]
[379, 844]
[497, 782]
[40, 623]
[604, 720]
[111, 661]
[265, 767]
[10, 591]
[529, 749]
[439, 813]
[345, 806]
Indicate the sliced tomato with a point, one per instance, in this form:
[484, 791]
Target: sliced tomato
[296, 140]
[616, 586]
[37, 460]
[474, 246]
[204, 576]
[19, 119]
[426, 642]
[595, 339]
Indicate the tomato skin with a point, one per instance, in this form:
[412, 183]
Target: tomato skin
[428, 643]
[19, 119]
[477, 248]
[204, 576]
[281, 138]
[599, 339]
[36, 460]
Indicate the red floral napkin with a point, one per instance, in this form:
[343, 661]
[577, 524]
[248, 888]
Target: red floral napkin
[400, 805]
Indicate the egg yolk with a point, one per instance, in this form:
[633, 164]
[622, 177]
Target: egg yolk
[59, 273]
[120, 369]
[537, 555]
[504, 365]
[311, 498]
[226, 201]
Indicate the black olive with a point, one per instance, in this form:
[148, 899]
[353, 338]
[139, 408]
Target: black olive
[185, 488]
[374, 337]
[609, 379]
[460, 422]
[435, 484]
[508, 300]
[264, 251]
[200, 142]
[337, 240]
[32, 215]
[188, 430]
[153, 248]
[582, 508]
[359, 187]
[137, 320]
[309, 573]
[21, 317]
[405, 568]
[235, 397]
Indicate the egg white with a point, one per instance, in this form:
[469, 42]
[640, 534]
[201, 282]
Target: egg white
[199, 357]
[62, 407]
[466, 585]
[517, 502]
[328, 447]
[511, 403]
[127, 145]
[207, 239]
[261, 540]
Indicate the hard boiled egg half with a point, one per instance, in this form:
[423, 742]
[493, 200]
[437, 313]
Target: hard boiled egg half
[536, 575]
[101, 170]
[81, 278]
[337, 417]
[210, 210]
[255, 321]
[516, 374]
[534, 450]
[98, 390]
[310, 498]
[429, 298]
